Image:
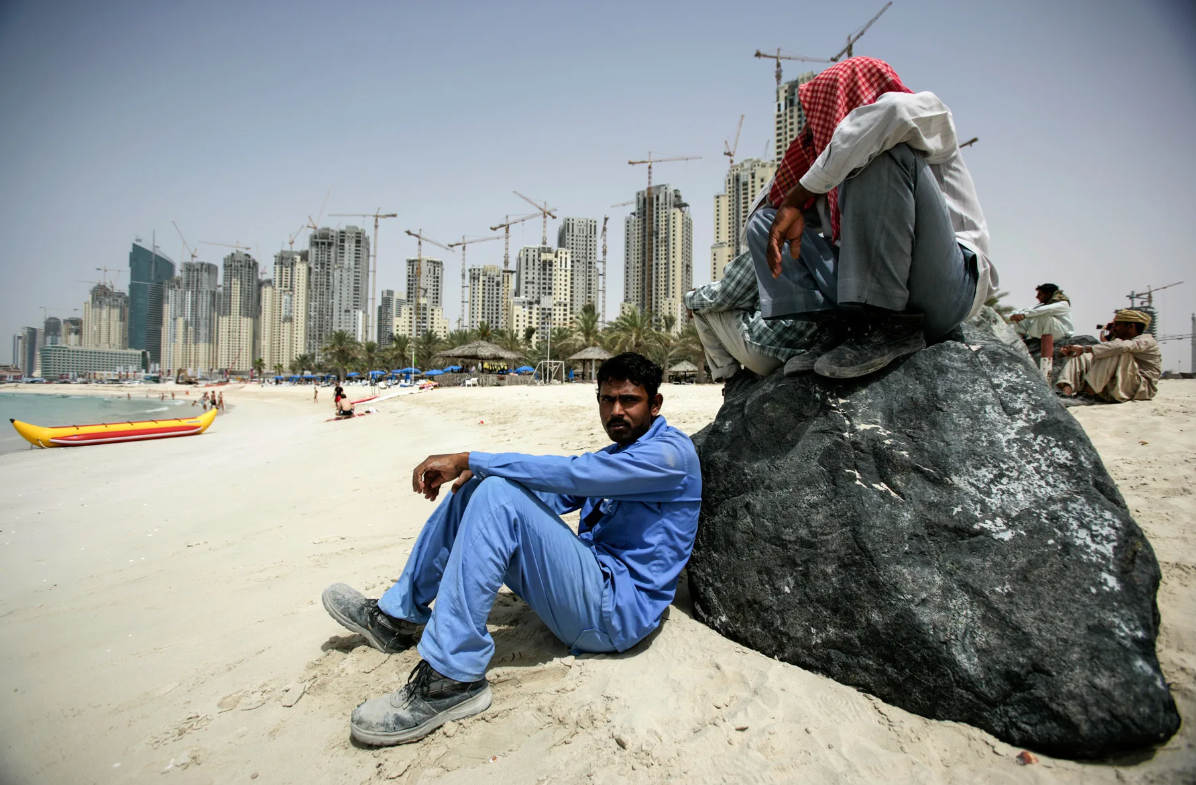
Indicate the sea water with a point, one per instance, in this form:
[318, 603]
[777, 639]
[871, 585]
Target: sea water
[66, 409]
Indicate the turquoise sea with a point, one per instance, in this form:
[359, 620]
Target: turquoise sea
[67, 409]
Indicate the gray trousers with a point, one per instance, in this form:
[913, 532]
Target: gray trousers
[897, 250]
[726, 349]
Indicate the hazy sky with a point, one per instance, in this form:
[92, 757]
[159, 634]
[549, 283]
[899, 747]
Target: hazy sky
[234, 119]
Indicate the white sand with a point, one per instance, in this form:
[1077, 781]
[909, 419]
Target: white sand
[159, 603]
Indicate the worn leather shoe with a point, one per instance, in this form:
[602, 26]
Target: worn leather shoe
[872, 344]
[429, 700]
[363, 616]
[830, 334]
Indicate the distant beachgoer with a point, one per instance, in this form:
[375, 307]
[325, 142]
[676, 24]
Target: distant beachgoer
[221, 404]
[1125, 368]
[602, 590]
[315, 398]
[204, 401]
[129, 396]
[172, 395]
[1052, 315]
[343, 407]
[899, 255]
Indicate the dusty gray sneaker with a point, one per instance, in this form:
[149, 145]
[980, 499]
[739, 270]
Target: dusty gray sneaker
[830, 334]
[428, 701]
[872, 345]
[363, 616]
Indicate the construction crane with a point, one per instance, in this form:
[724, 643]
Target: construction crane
[648, 270]
[310, 223]
[464, 288]
[238, 246]
[846, 51]
[107, 270]
[187, 249]
[1144, 301]
[506, 227]
[602, 278]
[419, 275]
[731, 148]
[546, 210]
[377, 215]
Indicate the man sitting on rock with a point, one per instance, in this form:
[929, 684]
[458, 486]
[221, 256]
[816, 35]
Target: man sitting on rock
[734, 335]
[903, 253]
[1052, 315]
[1125, 368]
[602, 590]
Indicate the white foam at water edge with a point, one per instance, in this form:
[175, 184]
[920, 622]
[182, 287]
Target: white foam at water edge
[160, 409]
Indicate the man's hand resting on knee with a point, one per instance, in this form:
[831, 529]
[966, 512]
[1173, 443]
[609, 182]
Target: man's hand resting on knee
[436, 470]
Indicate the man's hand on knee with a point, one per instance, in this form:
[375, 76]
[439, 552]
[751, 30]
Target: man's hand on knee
[787, 226]
[436, 470]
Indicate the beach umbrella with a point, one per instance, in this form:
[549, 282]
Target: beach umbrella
[525, 369]
[308, 376]
[353, 373]
[276, 378]
[377, 373]
[451, 368]
[433, 373]
[409, 370]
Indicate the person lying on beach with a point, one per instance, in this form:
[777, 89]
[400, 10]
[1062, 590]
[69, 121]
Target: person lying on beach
[601, 590]
[1125, 368]
[734, 335]
[902, 256]
[1052, 315]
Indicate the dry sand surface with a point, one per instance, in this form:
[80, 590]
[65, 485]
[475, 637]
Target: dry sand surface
[160, 617]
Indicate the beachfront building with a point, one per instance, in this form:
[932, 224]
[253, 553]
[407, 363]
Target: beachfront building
[189, 320]
[386, 318]
[339, 285]
[72, 362]
[672, 254]
[744, 182]
[789, 117]
[490, 291]
[579, 236]
[106, 319]
[24, 350]
[52, 331]
[149, 272]
[72, 331]
[543, 287]
[238, 323]
[284, 310]
[424, 307]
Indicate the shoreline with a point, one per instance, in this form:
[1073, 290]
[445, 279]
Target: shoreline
[161, 601]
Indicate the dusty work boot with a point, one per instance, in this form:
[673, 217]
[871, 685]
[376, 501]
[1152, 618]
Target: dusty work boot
[429, 700]
[740, 380]
[363, 616]
[830, 334]
[872, 344]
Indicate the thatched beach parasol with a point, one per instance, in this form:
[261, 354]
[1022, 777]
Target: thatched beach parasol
[592, 355]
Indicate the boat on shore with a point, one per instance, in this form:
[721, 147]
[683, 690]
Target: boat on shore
[109, 433]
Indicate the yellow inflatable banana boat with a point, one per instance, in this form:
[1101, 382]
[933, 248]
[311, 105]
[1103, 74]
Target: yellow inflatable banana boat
[107, 433]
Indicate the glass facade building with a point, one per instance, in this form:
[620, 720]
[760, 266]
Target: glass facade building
[149, 272]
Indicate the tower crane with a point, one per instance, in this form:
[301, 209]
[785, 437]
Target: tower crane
[731, 148]
[648, 272]
[238, 246]
[377, 215]
[464, 242]
[602, 278]
[846, 51]
[545, 209]
[107, 270]
[187, 249]
[506, 227]
[419, 275]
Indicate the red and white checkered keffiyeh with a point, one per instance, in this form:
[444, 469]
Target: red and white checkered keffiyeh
[826, 100]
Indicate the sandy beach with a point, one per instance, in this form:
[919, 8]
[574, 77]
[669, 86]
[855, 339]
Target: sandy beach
[160, 616]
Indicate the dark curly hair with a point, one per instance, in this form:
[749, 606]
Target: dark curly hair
[634, 368]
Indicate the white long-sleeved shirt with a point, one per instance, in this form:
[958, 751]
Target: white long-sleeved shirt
[923, 122]
[1054, 318]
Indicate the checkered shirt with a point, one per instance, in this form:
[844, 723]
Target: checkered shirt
[826, 100]
[738, 291]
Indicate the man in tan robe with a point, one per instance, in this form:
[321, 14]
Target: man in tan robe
[1125, 368]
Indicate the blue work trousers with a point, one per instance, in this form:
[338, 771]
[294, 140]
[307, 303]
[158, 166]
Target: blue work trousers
[491, 532]
[897, 250]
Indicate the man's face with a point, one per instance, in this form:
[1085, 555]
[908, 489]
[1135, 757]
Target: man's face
[1042, 296]
[1125, 331]
[626, 411]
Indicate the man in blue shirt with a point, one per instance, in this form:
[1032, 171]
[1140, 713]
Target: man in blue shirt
[601, 590]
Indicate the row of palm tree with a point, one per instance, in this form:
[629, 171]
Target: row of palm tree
[633, 331]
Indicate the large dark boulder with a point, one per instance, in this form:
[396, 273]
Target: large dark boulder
[943, 535]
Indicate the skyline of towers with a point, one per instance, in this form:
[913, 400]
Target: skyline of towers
[149, 272]
[285, 309]
[106, 319]
[238, 339]
[190, 319]
[580, 237]
[339, 284]
[741, 186]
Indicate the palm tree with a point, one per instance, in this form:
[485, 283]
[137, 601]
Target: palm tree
[278, 369]
[426, 347]
[341, 350]
[484, 333]
[259, 367]
[509, 340]
[528, 334]
[995, 303]
[630, 332]
[368, 357]
[586, 326]
[303, 362]
[458, 338]
[399, 352]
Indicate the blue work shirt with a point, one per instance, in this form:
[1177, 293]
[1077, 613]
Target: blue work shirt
[649, 494]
